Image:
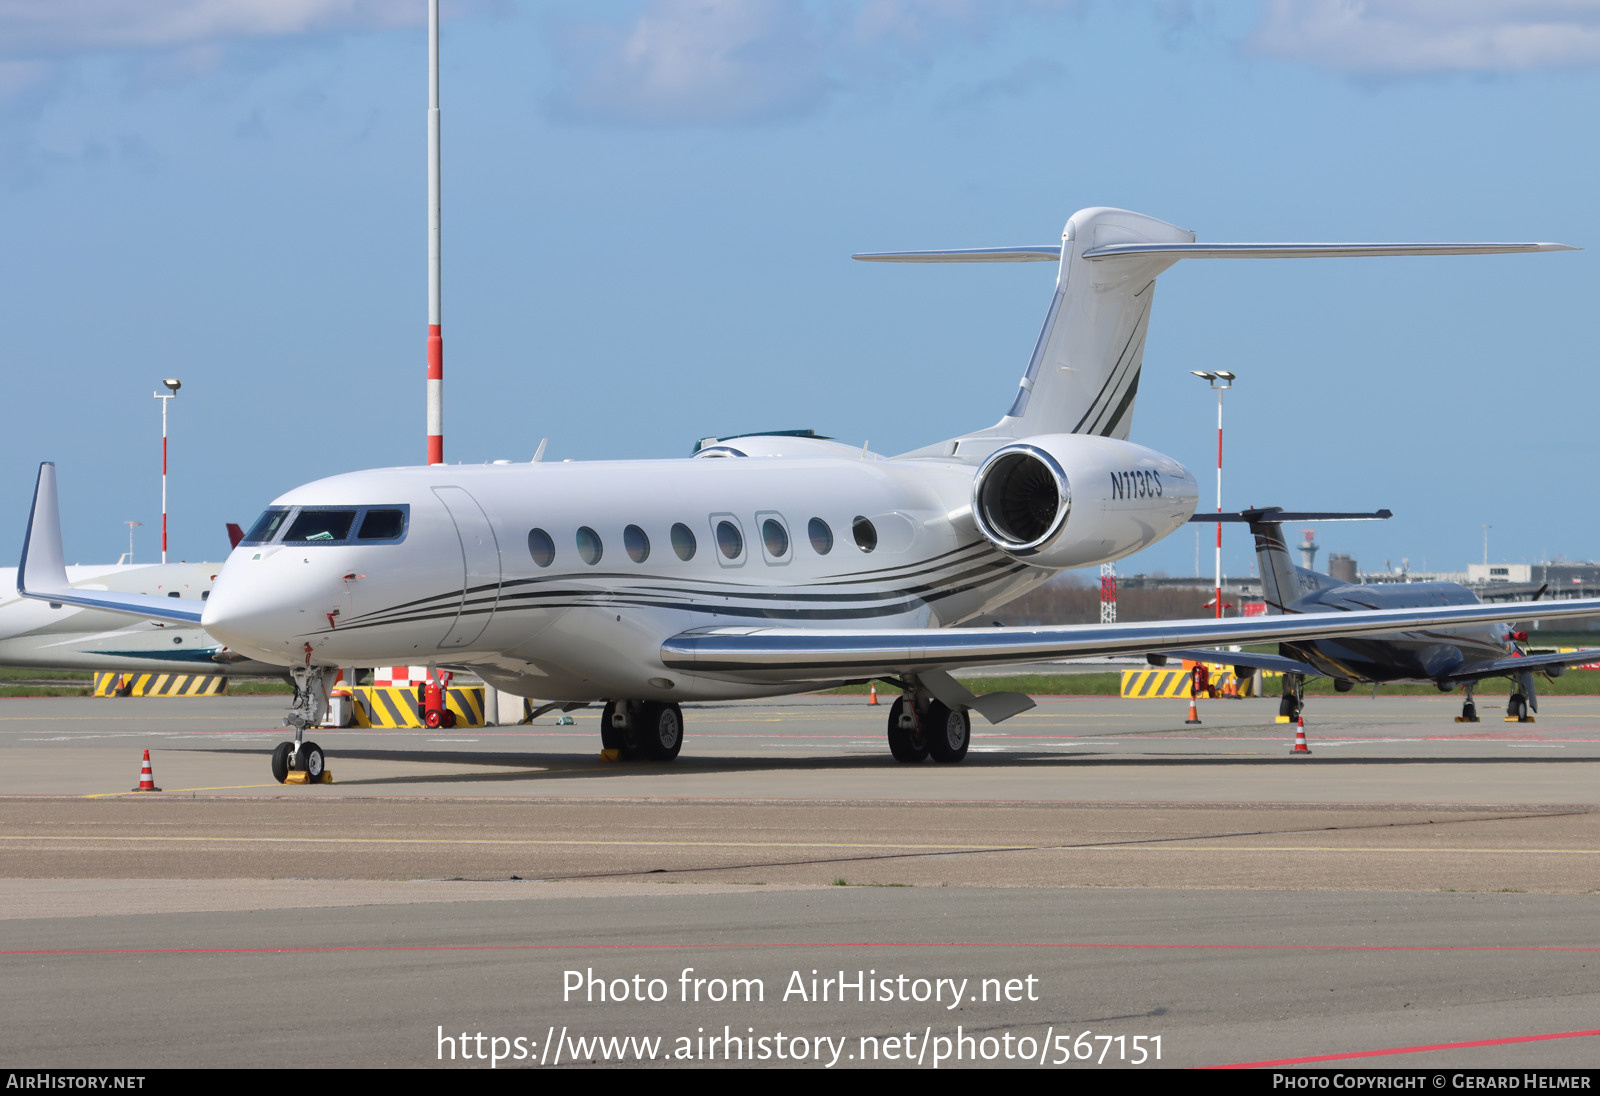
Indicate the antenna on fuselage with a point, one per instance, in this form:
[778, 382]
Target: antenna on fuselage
[435, 337]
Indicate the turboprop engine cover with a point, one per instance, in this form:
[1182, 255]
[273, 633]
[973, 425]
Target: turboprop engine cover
[1073, 500]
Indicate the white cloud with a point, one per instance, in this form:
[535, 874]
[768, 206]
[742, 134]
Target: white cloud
[1404, 37]
[687, 62]
[695, 61]
[53, 28]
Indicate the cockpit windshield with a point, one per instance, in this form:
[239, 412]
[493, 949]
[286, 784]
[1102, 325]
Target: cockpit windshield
[266, 527]
[330, 525]
[314, 525]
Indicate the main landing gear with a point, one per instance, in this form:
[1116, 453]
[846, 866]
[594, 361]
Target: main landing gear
[1523, 700]
[1469, 710]
[930, 729]
[642, 729]
[1294, 697]
[310, 707]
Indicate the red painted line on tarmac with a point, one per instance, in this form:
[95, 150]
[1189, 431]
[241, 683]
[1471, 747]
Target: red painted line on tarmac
[1405, 1050]
[823, 944]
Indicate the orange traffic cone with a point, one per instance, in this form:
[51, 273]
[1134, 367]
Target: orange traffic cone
[872, 698]
[147, 779]
[1194, 714]
[1300, 746]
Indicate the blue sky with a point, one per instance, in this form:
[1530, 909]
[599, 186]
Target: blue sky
[649, 212]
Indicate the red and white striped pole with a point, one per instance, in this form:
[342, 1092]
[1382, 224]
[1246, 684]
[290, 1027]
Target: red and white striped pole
[435, 336]
[173, 384]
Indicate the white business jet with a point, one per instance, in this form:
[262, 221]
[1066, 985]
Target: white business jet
[56, 636]
[764, 564]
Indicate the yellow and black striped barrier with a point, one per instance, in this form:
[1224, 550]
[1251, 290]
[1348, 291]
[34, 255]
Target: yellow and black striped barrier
[396, 706]
[1148, 684]
[106, 684]
[1163, 684]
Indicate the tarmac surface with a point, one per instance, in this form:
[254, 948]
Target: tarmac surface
[1096, 876]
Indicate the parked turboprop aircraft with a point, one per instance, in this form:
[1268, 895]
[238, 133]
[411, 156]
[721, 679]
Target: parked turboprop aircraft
[58, 636]
[763, 565]
[1448, 657]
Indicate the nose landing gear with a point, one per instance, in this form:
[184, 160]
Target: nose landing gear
[302, 762]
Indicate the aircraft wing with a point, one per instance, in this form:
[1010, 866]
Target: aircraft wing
[42, 571]
[796, 655]
[1250, 659]
[1528, 662]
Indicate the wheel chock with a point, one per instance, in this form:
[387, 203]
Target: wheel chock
[1282, 719]
[610, 755]
[300, 776]
[1523, 719]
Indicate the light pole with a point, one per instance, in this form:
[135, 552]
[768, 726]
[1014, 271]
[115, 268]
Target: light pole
[172, 384]
[1221, 380]
[132, 525]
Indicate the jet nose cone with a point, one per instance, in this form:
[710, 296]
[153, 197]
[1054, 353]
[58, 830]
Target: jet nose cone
[248, 621]
[263, 607]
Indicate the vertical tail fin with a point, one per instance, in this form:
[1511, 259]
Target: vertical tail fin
[1280, 581]
[1084, 373]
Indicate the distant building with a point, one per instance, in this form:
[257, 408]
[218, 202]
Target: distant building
[1342, 567]
[1534, 574]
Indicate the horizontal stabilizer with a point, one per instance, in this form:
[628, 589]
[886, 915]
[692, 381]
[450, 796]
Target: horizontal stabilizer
[1028, 253]
[1272, 513]
[1043, 253]
[1310, 251]
[42, 571]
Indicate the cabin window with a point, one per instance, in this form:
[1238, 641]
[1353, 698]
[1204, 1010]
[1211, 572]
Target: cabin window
[730, 542]
[589, 547]
[636, 544]
[821, 536]
[541, 547]
[775, 539]
[683, 541]
[866, 534]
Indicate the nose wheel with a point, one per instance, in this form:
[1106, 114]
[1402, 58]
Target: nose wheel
[307, 765]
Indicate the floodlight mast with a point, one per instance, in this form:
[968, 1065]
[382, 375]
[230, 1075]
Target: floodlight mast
[172, 384]
[1212, 378]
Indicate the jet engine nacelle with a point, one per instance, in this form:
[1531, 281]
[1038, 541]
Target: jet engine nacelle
[1073, 500]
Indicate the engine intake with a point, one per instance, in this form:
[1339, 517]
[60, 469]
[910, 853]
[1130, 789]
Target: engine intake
[1075, 500]
[1021, 498]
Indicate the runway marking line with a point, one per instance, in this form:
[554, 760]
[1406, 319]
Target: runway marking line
[895, 944]
[587, 843]
[1406, 1050]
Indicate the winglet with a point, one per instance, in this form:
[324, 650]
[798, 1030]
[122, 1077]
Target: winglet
[42, 570]
[43, 566]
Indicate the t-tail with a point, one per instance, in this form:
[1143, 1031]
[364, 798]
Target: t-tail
[1083, 376]
[1283, 583]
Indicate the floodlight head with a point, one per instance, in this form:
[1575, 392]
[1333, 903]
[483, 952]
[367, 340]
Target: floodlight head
[1203, 376]
[174, 384]
[1225, 375]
